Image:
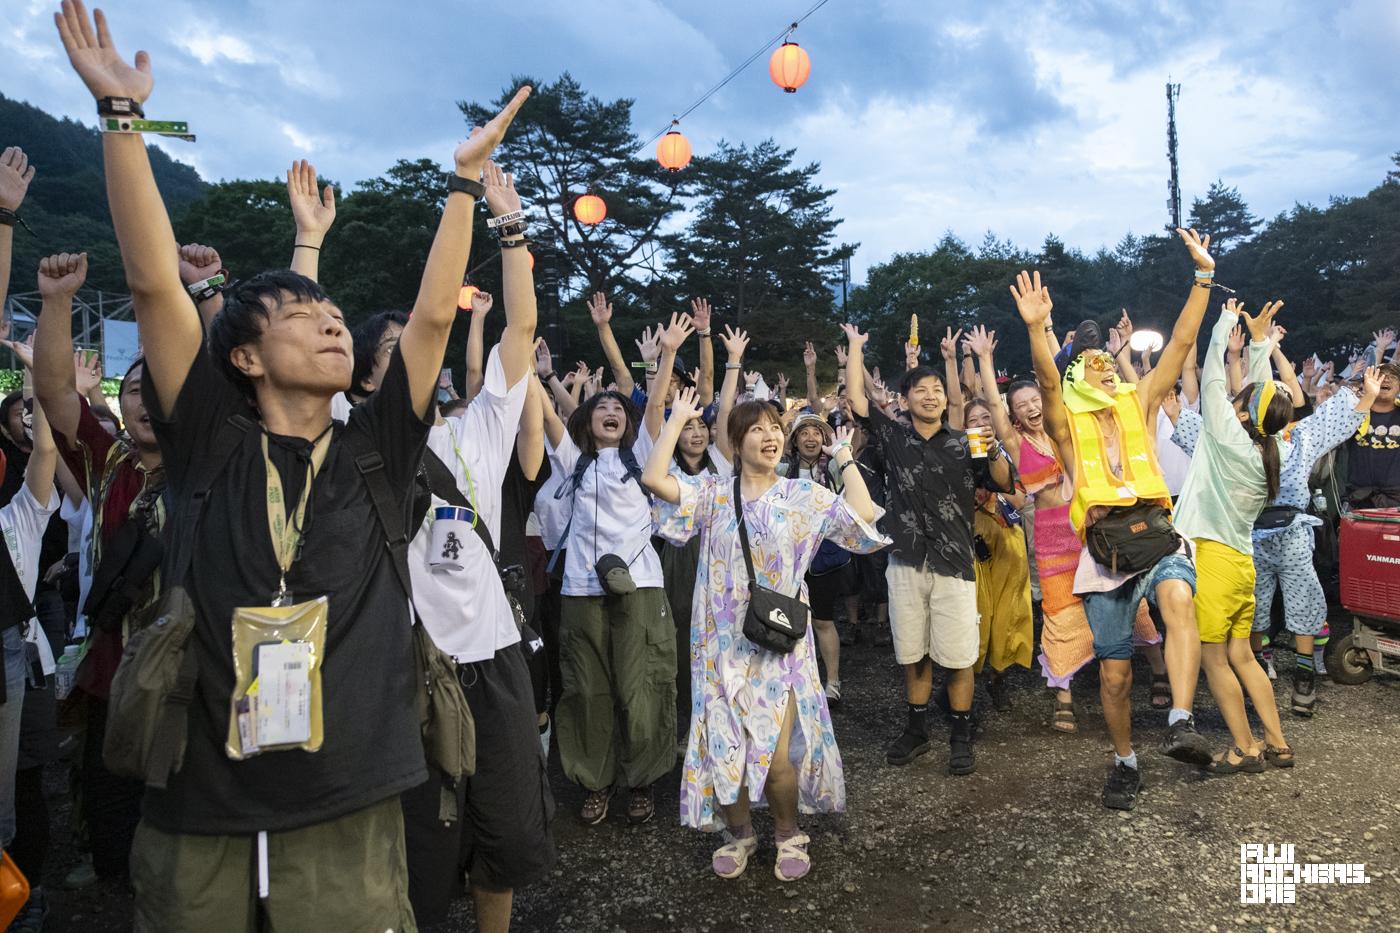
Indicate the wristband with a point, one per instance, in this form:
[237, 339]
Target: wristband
[205, 289]
[1205, 273]
[651, 367]
[305, 246]
[733, 365]
[119, 107]
[703, 333]
[467, 186]
[132, 126]
[547, 376]
[493, 222]
[850, 462]
[515, 229]
[9, 218]
[512, 244]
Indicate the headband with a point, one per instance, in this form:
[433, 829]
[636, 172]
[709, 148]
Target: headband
[1079, 396]
[1259, 404]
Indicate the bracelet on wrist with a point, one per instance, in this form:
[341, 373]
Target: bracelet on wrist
[466, 186]
[703, 333]
[545, 377]
[1205, 273]
[205, 289]
[512, 244]
[504, 220]
[306, 246]
[120, 107]
[733, 365]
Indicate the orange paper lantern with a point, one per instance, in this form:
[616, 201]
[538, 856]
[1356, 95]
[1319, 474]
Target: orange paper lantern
[789, 67]
[673, 151]
[590, 209]
[464, 297]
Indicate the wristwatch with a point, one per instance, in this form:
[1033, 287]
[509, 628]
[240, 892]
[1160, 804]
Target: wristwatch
[469, 186]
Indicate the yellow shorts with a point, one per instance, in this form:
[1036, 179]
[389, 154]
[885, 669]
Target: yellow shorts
[1224, 592]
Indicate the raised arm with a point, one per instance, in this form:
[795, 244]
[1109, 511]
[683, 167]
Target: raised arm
[1191, 376]
[809, 363]
[197, 264]
[475, 361]
[983, 343]
[952, 379]
[38, 474]
[517, 281]
[671, 339]
[1034, 305]
[55, 380]
[855, 370]
[1286, 373]
[171, 334]
[700, 314]
[554, 427]
[656, 475]
[1188, 324]
[424, 338]
[601, 310]
[735, 342]
[313, 213]
[15, 175]
[1260, 329]
[853, 488]
[1234, 361]
[529, 439]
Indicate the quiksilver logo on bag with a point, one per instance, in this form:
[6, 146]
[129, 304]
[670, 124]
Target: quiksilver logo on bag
[778, 617]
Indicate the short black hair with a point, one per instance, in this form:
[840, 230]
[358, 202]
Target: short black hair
[366, 337]
[917, 375]
[580, 423]
[1087, 336]
[10, 401]
[244, 315]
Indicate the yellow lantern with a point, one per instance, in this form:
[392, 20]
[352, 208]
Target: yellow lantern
[673, 150]
[789, 67]
[590, 209]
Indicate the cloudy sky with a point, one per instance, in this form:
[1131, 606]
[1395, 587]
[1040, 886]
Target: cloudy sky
[1018, 118]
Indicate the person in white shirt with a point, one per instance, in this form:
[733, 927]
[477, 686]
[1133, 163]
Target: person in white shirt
[616, 720]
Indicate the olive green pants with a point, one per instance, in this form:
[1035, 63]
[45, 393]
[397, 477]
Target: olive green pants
[616, 720]
[347, 874]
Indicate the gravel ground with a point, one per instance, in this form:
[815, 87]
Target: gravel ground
[1022, 844]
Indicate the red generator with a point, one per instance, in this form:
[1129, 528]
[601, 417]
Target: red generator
[1370, 585]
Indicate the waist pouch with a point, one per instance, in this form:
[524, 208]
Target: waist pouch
[1277, 516]
[1130, 539]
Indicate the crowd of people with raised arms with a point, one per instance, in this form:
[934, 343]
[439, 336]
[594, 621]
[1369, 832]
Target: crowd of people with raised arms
[323, 623]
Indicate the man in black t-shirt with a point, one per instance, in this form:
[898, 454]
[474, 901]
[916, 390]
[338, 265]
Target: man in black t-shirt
[1373, 455]
[314, 838]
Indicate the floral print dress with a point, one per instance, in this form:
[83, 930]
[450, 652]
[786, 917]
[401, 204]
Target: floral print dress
[738, 690]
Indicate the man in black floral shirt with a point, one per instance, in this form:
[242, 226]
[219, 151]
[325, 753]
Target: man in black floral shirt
[931, 481]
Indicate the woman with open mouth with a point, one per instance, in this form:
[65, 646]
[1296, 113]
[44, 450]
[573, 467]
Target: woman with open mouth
[762, 733]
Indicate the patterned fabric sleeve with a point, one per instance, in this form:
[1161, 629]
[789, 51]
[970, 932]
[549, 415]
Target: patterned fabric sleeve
[842, 526]
[1188, 431]
[680, 522]
[1330, 425]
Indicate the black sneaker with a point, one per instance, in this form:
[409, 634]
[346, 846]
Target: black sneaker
[849, 634]
[1001, 696]
[961, 759]
[1185, 744]
[1304, 693]
[1121, 789]
[906, 748]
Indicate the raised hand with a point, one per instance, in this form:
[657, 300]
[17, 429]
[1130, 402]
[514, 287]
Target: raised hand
[650, 344]
[501, 195]
[61, 276]
[482, 302]
[1277, 332]
[676, 332]
[840, 356]
[1032, 299]
[94, 56]
[911, 355]
[87, 371]
[313, 212]
[1171, 405]
[700, 313]
[737, 341]
[750, 379]
[23, 350]
[1309, 368]
[685, 405]
[544, 360]
[600, 309]
[855, 340]
[783, 381]
[476, 149]
[1236, 343]
[949, 344]
[1199, 247]
[1384, 340]
[1259, 325]
[1371, 383]
[809, 355]
[198, 262]
[982, 341]
[841, 437]
[1114, 342]
[1125, 326]
[15, 175]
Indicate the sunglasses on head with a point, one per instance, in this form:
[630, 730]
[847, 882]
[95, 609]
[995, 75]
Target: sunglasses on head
[1098, 362]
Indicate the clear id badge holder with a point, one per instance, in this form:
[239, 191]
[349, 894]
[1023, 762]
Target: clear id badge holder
[277, 654]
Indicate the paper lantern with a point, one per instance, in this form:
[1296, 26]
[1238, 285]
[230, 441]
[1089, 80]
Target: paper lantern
[673, 151]
[464, 297]
[590, 209]
[789, 66]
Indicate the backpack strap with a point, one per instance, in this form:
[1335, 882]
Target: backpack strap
[387, 508]
[629, 463]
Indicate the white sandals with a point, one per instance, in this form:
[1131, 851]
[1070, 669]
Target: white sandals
[730, 859]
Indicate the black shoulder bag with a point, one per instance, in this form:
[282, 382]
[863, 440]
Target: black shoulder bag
[1132, 538]
[774, 621]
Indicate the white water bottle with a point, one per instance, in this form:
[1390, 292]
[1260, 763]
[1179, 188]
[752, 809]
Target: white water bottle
[65, 671]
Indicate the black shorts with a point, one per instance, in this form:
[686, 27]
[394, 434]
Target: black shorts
[501, 839]
[823, 590]
[871, 568]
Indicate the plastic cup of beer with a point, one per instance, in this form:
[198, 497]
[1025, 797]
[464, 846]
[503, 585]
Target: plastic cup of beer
[977, 442]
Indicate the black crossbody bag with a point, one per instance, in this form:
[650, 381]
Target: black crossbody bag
[774, 621]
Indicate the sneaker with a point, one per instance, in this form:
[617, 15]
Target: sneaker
[833, 695]
[1185, 744]
[1001, 696]
[882, 638]
[641, 805]
[961, 759]
[1320, 661]
[1304, 693]
[1268, 664]
[906, 748]
[1121, 789]
[81, 876]
[546, 731]
[595, 807]
[31, 916]
[849, 634]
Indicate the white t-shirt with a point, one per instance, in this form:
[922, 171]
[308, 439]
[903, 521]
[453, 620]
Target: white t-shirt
[1173, 460]
[552, 513]
[340, 407]
[612, 515]
[22, 521]
[79, 519]
[466, 611]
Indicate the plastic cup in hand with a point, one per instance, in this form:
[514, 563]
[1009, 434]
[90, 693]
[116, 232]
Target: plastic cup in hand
[977, 442]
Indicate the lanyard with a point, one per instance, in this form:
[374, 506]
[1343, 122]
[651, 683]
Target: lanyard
[471, 485]
[287, 536]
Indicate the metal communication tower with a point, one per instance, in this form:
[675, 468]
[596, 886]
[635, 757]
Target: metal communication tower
[1174, 185]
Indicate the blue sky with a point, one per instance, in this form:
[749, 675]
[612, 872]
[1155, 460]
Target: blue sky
[1018, 118]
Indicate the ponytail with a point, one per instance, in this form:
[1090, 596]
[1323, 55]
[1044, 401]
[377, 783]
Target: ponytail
[1268, 447]
[1278, 413]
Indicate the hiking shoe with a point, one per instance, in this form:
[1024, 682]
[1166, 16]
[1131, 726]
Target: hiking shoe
[1304, 693]
[961, 759]
[1121, 789]
[1001, 696]
[595, 807]
[906, 748]
[641, 806]
[833, 695]
[81, 876]
[1185, 744]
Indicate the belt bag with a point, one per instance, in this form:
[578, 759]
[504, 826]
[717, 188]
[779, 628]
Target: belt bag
[1130, 539]
[774, 621]
[1276, 516]
[128, 562]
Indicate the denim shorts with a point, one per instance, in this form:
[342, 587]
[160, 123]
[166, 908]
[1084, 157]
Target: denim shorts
[1112, 614]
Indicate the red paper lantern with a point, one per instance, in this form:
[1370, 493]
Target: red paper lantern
[464, 297]
[673, 151]
[590, 209]
[789, 67]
